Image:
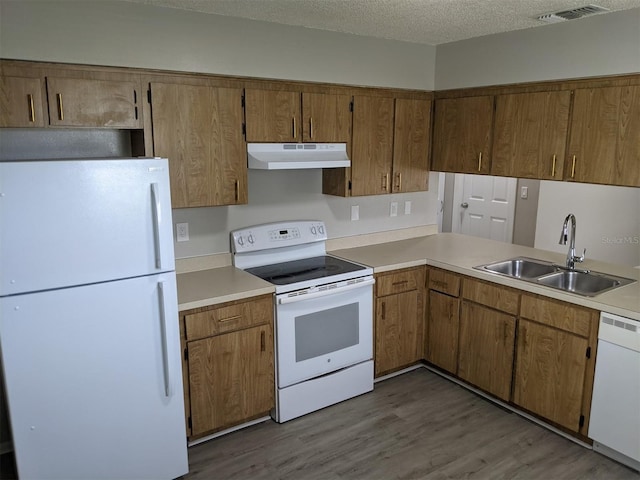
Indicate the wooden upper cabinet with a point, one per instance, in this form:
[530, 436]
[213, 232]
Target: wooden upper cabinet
[412, 130]
[82, 102]
[372, 148]
[462, 135]
[326, 118]
[273, 116]
[604, 144]
[21, 102]
[530, 133]
[199, 129]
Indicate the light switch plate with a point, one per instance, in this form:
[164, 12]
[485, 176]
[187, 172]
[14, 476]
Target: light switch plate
[524, 192]
[182, 232]
[393, 209]
[407, 207]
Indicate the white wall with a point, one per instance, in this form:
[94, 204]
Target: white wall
[133, 35]
[607, 220]
[599, 45]
[292, 195]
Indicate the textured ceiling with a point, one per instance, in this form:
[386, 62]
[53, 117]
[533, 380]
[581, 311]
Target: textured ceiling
[430, 22]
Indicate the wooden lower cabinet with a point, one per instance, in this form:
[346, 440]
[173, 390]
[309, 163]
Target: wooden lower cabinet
[555, 361]
[399, 322]
[443, 324]
[230, 378]
[229, 363]
[486, 349]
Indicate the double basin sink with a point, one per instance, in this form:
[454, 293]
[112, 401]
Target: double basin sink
[582, 282]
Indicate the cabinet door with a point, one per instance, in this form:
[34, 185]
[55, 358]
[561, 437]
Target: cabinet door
[486, 349]
[231, 378]
[76, 102]
[326, 118]
[398, 331]
[272, 116]
[530, 135]
[21, 102]
[372, 148]
[442, 331]
[199, 129]
[412, 129]
[462, 135]
[550, 373]
[604, 146]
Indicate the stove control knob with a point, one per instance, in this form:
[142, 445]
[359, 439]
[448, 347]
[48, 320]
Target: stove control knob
[321, 230]
[240, 241]
[250, 239]
[313, 230]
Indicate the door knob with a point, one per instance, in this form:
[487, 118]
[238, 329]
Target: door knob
[464, 205]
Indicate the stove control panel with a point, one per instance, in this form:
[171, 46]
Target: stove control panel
[276, 235]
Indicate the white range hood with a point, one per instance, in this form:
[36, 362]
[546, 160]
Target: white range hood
[288, 156]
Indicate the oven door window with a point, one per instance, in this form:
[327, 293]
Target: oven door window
[320, 335]
[327, 331]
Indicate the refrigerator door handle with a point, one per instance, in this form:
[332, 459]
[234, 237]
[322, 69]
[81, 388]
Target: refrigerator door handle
[164, 340]
[155, 206]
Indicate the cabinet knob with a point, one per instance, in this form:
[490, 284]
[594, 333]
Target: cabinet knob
[464, 205]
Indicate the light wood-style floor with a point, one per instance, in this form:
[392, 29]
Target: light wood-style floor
[417, 425]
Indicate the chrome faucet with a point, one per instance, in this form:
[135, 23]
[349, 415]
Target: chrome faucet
[571, 254]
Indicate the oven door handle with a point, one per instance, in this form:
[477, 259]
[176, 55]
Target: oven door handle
[324, 293]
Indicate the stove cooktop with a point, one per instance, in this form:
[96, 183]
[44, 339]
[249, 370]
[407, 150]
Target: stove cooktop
[305, 269]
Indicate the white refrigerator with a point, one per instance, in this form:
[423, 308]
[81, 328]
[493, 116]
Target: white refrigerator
[89, 332]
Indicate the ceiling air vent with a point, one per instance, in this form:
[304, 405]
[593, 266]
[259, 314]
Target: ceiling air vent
[572, 14]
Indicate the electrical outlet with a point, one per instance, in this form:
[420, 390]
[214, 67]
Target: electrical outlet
[355, 212]
[407, 207]
[393, 209]
[182, 232]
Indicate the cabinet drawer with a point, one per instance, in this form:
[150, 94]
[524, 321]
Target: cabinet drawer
[494, 296]
[229, 317]
[558, 314]
[444, 282]
[400, 281]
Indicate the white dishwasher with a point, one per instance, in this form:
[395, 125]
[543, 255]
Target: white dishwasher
[615, 406]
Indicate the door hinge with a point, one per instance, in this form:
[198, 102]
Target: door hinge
[349, 184]
[149, 95]
[186, 354]
[588, 352]
[351, 106]
[581, 422]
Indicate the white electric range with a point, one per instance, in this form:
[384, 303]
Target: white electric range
[323, 314]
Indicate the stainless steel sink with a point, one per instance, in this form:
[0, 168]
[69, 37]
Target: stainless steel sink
[521, 267]
[555, 276]
[583, 283]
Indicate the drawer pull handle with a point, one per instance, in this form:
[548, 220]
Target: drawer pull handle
[262, 342]
[480, 161]
[310, 127]
[229, 319]
[294, 132]
[553, 167]
[401, 282]
[573, 166]
[237, 187]
[60, 107]
[399, 182]
[32, 113]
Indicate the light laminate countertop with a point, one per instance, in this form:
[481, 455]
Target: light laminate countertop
[218, 285]
[460, 253]
[450, 251]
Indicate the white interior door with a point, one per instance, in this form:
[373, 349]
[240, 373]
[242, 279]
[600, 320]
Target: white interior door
[484, 206]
